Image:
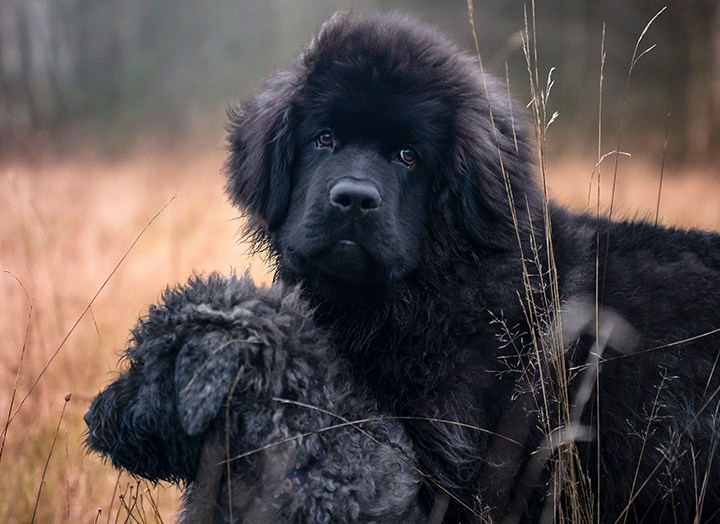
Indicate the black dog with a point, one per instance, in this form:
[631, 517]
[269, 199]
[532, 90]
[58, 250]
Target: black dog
[393, 181]
[234, 391]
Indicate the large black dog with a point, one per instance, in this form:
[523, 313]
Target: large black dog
[545, 364]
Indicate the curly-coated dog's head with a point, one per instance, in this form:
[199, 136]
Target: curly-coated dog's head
[383, 143]
[220, 368]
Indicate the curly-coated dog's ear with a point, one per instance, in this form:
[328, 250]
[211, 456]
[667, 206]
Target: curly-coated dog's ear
[262, 153]
[205, 369]
[492, 156]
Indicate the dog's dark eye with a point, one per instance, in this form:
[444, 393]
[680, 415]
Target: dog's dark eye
[407, 156]
[324, 139]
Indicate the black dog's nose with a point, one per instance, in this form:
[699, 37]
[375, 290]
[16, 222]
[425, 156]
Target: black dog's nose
[354, 197]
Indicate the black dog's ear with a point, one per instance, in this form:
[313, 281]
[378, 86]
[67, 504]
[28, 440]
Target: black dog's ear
[492, 157]
[205, 369]
[262, 153]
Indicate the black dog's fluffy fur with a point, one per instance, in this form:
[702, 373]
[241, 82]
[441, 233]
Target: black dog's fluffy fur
[223, 370]
[394, 183]
[437, 293]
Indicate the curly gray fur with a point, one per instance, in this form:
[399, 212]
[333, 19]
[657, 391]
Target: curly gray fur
[234, 391]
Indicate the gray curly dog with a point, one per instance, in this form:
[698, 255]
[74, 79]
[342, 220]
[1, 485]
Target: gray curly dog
[233, 391]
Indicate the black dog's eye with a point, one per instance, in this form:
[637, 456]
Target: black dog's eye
[407, 156]
[324, 139]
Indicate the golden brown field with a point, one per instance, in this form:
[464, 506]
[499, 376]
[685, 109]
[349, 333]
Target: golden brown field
[67, 225]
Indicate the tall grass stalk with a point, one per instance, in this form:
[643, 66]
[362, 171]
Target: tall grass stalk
[21, 358]
[559, 413]
[47, 462]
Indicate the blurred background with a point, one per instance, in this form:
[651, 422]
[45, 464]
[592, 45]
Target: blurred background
[119, 72]
[111, 151]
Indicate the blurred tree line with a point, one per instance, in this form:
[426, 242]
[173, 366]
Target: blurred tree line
[111, 70]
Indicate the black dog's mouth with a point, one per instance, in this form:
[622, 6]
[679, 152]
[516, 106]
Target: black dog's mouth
[346, 260]
[343, 272]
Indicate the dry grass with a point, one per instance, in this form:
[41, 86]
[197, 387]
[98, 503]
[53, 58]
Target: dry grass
[689, 198]
[559, 415]
[607, 193]
[66, 225]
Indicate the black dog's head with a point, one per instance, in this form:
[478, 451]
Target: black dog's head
[383, 143]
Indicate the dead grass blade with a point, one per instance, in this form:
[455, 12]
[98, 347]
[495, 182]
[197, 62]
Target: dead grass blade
[87, 308]
[8, 420]
[47, 462]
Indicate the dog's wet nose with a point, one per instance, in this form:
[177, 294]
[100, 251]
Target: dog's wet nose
[354, 197]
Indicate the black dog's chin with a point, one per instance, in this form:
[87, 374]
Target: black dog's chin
[344, 273]
[349, 293]
[347, 261]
